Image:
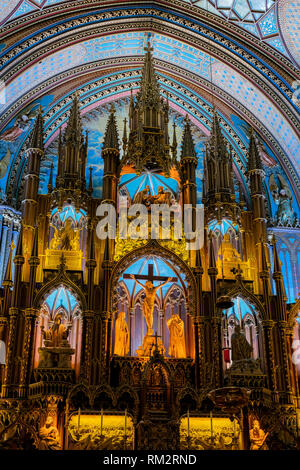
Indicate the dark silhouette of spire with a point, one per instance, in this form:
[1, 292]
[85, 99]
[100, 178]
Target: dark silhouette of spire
[106, 250]
[92, 245]
[19, 250]
[254, 160]
[8, 275]
[111, 138]
[149, 91]
[37, 134]
[276, 261]
[212, 259]
[188, 147]
[264, 266]
[73, 131]
[217, 141]
[34, 251]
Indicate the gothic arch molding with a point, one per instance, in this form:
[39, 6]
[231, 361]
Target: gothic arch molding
[155, 249]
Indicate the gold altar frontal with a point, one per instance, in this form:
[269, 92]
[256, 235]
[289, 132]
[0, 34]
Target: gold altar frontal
[210, 433]
[96, 431]
[73, 259]
[150, 343]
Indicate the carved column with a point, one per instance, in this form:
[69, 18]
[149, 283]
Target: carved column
[269, 352]
[10, 357]
[86, 347]
[28, 346]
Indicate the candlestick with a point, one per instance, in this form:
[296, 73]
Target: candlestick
[78, 419]
[211, 426]
[101, 431]
[125, 429]
[188, 422]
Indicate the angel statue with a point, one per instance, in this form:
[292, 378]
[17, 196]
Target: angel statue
[282, 196]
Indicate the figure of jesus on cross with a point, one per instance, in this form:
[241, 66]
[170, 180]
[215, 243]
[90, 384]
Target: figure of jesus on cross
[150, 292]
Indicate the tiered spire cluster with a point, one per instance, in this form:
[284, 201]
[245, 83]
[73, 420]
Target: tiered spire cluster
[148, 143]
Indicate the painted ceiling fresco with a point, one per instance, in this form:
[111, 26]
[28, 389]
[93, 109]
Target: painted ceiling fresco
[273, 21]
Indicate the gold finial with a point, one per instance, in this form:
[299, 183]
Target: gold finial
[12, 245]
[148, 48]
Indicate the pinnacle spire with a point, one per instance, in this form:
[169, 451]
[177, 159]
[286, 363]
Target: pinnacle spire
[149, 90]
[188, 147]
[212, 259]
[19, 250]
[217, 142]
[254, 160]
[92, 246]
[264, 266]
[50, 183]
[8, 274]
[37, 137]
[276, 261]
[74, 126]
[34, 252]
[90, 189]
[111, 137]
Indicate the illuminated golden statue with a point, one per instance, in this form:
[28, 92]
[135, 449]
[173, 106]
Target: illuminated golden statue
[121, 336]
[177, 340]
[57, 335]
[49, 437]
[257, 437]
[148, 305]
[67, 235]
[55, 242]
[162, 197]
[240, 347]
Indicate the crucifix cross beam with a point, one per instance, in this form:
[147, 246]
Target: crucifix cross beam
[150, 276]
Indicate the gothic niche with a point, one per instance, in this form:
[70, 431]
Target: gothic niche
[58, 334]
[151, 311]
[67, 233]
[242, 340]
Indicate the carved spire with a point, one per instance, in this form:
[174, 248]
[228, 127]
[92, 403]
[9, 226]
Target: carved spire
[34, 251]
[73, 131]
[8, 274]
[19, 250]
[111, 138]
[212, 259]
[217, 141]
[149, 92]
[188, 147]
[92, 245]
[125, 139]
[264, 265]
[174, 143]
[37, 134]
[276, 261]
[254, 160]
[50, 183]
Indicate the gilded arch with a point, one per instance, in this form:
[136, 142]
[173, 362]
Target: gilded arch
[154, 248]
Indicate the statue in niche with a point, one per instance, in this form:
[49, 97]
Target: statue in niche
[177, 340]
[57, 335]
[145, 197]
[121, 336]
[142, 196]
[228, 251]
[67, 235]
[257, 437]
[66, 238]
[282, 196]
[55, 242]
[240, 347]
[162, 197]
[148, 305]
[49, 437]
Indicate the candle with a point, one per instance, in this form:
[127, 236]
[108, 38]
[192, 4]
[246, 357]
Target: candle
[78, 419]
[125, 422]
[211, 425]
[101, 431]
[188, 422]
